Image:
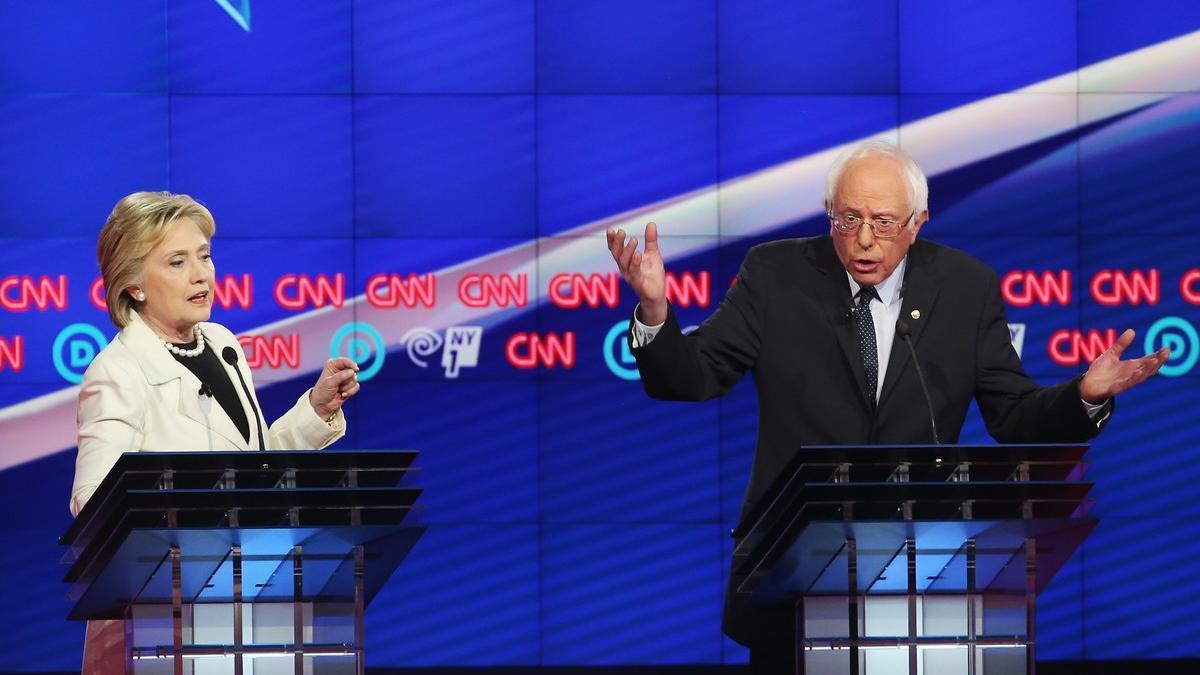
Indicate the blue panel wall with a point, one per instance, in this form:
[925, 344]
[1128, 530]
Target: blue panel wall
[449, 167]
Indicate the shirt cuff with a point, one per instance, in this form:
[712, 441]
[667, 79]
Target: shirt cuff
[1097, 412]
[641, 334]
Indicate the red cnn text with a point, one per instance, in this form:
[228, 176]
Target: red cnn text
[1022, 288]
[22, 293]
[275, 351]
[494, 290]
[299, 291]
[393, 290]
[1071, 347]
[530, 350]
[572, 290]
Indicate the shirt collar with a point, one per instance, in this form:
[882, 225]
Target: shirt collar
[889, 288]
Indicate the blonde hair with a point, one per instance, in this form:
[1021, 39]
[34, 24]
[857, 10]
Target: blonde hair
[136, 225]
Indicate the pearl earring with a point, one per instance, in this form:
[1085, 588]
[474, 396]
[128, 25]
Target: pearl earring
[141, 297]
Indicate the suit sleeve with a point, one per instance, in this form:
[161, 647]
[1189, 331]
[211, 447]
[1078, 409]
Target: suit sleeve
[111, 418]
[711, 360]
[1014, 407]
[301, 429]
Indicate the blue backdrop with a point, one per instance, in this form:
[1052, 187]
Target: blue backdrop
[424, 185]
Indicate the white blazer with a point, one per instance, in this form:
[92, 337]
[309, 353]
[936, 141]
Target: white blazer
[137, 397]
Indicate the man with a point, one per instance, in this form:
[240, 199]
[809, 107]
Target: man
[814, 320]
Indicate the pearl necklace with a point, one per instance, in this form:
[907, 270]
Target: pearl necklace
[195, 351]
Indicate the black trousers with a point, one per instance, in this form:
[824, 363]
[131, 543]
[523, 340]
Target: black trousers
[772, 662]
[773, 649]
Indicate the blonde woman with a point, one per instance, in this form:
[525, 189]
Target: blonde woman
[168, 381]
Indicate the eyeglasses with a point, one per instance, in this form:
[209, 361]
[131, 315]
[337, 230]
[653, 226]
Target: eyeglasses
[884, 228]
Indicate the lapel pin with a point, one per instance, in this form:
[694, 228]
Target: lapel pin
[916, 314]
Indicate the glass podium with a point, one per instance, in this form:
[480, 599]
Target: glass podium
[242, 562]
[914, 559]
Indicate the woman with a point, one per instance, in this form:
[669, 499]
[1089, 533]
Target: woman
[162, 384]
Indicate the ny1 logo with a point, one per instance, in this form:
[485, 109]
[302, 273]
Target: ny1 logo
[460, 347]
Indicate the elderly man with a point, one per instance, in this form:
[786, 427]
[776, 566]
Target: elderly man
[815, 321]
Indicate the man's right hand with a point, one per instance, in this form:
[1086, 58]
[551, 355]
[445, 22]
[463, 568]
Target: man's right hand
[644, 272]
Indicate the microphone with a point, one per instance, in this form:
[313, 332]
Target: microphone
[205, 390]
[231, 357]
[905, 334]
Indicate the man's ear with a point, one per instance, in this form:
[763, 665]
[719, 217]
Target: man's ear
[918, 222]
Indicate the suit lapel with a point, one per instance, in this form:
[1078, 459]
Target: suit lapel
[837, 303]
[161, 368]
[919, 293]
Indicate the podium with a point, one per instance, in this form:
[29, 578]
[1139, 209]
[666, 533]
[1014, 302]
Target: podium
[916, 560]
[242, 562]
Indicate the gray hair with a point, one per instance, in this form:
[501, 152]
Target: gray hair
[918, 186]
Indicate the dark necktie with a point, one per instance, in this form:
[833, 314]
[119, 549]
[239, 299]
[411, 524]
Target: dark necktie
[866, 338]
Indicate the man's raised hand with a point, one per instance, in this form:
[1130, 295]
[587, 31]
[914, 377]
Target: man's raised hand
[643, 271]
[1109, 375]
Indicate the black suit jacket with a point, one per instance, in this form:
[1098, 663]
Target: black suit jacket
[786, 321]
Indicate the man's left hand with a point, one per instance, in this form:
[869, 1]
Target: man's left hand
[338, 381]
[1109, 375]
